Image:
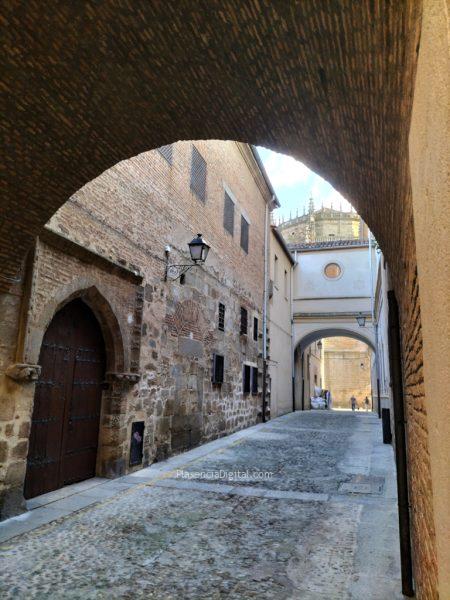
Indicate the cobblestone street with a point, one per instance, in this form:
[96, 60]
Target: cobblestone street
[323, 526]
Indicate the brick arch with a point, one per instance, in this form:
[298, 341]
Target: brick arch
[91, 84]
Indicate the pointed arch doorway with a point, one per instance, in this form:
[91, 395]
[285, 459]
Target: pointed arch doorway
[67, 402]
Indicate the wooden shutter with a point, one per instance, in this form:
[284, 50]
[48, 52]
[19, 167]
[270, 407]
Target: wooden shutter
[246, 378]
[228, 214]
[255, 329]
[244, 234]
[198, 174]
[244, 321]
[218, 369]
[255, 374]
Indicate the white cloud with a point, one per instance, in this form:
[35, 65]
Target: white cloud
[285, 171]
[294, 184]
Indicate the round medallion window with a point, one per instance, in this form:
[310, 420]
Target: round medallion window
[332, 271]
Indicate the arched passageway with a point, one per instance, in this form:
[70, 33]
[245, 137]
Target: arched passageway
[339, 362]
[302, 342]
[330, 84]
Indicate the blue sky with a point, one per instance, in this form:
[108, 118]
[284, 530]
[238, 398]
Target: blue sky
[294, 185]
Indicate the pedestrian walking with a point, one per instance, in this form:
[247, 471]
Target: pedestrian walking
[353, 402]
[366, 403]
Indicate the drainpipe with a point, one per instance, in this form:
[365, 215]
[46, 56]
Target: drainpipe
[265, 301]
[291, 286]
[400, 445]
[303, 380]
[374, 323]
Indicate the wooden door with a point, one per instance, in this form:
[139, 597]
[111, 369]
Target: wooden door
[67, 402]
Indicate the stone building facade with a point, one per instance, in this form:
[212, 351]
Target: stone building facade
[280, 367]
[323, 224]
[108, 246]
[308, 374]
[347, 371]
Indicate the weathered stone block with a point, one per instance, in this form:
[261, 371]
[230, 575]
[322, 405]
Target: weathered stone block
[24, 429]
[3, 451]
[20, 449]
[190, 347]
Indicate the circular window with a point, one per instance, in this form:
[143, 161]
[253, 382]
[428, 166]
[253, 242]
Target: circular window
[332, 271]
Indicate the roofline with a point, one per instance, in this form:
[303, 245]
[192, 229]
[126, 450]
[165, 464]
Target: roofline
[321, 246]
[282, 243]
[258, 161]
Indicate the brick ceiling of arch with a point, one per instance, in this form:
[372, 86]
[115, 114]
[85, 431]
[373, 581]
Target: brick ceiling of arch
[89, 84]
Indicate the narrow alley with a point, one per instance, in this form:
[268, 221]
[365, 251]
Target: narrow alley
[301, 507]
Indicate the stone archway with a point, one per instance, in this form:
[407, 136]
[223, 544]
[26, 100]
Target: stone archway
[88, 291]
[327, 331]
[22, 377]
[337, 364]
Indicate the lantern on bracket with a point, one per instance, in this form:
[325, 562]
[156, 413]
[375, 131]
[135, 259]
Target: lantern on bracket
[198, 249]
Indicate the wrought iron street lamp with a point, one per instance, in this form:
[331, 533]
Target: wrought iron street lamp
[198, 250]
[361, 319]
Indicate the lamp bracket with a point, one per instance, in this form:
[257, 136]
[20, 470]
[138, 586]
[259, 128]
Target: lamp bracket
[174, 272]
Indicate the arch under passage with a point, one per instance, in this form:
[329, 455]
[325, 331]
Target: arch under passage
[319, 334]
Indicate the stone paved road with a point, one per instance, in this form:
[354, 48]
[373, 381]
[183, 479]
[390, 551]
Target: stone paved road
[324, 526]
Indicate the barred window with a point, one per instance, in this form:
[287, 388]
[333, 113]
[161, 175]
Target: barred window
[198, 174]
[244, 234]
[244, 321]
[228, 214]
[221, 323]
[255, 329]
[246, 379]
[166, 152]
[218, 368]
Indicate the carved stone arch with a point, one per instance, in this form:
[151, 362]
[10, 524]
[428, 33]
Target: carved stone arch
[93, 294]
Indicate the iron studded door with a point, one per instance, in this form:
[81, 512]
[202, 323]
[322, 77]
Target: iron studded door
[66, 413]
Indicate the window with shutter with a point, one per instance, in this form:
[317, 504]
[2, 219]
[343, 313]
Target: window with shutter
[218, 369]
[228, 214]
[246, 379]
[198, 174]
[221, 322]
[255, 329]
[244, 321]
[244, 234]
[166, 152]
[255, 374]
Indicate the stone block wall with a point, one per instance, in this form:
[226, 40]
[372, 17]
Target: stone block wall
[347, 367]
[107, 246]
